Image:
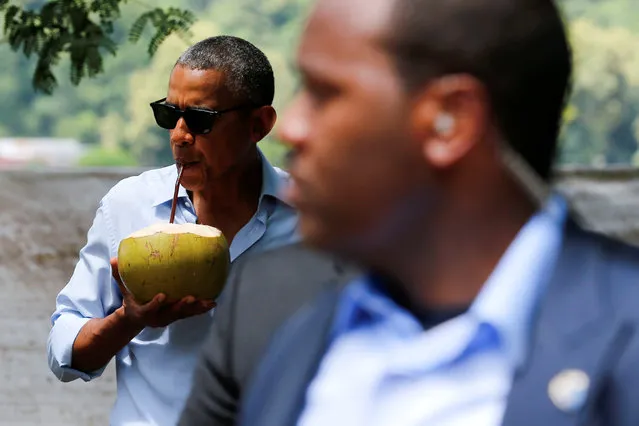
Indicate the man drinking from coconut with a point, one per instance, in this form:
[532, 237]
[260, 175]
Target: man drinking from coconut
[218, 107]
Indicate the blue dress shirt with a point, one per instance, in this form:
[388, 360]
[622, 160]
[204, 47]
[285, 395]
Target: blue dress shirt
[383, 368]
[154, 370]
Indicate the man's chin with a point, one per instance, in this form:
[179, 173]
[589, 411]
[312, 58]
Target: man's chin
[311, 231]
[314, 233]
[192, 178]
[190, 184]
[351, 246]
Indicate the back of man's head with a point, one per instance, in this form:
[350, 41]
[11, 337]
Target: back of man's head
[247, 71]
[517, 48]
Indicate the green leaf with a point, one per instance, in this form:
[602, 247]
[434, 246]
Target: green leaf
[43, 78]
[79, 19]
[11, 13]
[138, 26]
[30, 45]
[166, 22]
[109, 45]
[157, 40]
[78, 53]
[94, 62]
[15, 39]
[48, 13]
[70, 27]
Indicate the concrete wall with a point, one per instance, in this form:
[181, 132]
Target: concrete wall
[44, 216]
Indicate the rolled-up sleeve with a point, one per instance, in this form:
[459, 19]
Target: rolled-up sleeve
[90, 293]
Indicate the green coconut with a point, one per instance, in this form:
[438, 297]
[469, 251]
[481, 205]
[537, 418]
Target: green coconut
[178, 260]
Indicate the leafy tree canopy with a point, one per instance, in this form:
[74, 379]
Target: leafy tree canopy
[83, 30]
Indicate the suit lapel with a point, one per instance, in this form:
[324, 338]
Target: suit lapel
[576, 334]
[279, 389]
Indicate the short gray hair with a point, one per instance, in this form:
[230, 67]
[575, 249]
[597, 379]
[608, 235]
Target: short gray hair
[248, 72]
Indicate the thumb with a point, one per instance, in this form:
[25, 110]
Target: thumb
[115, 272]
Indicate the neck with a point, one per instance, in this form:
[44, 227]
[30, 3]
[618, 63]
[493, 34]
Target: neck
[446, 260]
[229, 200]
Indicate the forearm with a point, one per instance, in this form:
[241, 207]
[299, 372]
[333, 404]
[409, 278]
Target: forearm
[100, 339]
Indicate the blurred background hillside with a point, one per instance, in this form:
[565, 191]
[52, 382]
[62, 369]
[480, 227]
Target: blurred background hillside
[106, 121]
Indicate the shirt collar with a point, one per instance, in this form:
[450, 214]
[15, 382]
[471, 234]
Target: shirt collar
[508, 299]
[506, 302]
[273, 182]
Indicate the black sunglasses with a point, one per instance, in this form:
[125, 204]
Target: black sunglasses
[200, 121]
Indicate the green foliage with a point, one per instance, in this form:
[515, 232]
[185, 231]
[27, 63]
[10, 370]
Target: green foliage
[109, 110]
[604, 13]
[105, 157]
[605, 100]
[275, 151]
[83, 30]
[166, 22]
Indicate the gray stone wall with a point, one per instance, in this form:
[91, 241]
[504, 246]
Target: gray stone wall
[44, 216]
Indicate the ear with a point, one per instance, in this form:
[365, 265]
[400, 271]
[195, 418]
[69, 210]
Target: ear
[450, 118]
[262, 122]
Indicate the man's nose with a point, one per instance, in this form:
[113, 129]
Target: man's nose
[181, 135]
[294, 128]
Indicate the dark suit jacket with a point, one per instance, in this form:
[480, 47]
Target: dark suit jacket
[587, 320]
[263, 290]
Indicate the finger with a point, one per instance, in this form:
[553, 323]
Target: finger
[115, 272]
[125, 293]
[207, 304]
[154, 305]
[197, 308]
[188, 300]
[184, 308]
[187, 307]
[174, 311]
[202, 308]
[182, 305]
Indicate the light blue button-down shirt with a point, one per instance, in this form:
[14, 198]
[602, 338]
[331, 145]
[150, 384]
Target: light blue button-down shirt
[154, 370]
[383, 369]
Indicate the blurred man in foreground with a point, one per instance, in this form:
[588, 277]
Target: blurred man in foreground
[485, 303]
[263, 291]
[217, 109]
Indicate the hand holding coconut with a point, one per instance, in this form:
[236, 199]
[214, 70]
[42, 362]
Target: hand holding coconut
[171, 271]
[159, 311]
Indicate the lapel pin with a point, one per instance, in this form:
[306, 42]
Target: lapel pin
[568, 390]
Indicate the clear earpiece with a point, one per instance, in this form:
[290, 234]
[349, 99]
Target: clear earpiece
[444, 123]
